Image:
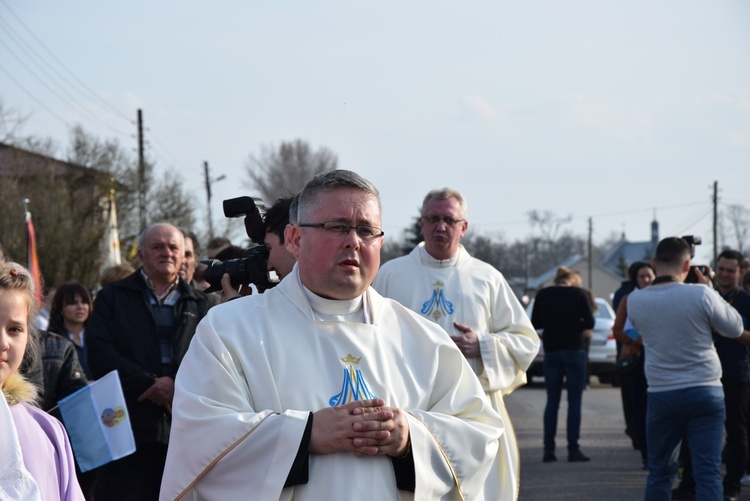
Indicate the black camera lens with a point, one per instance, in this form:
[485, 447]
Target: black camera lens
[251, 269]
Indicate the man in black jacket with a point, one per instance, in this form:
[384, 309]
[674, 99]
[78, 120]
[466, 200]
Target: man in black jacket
[735, 366]
[142, 326]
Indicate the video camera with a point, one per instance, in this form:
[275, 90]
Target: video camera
[692, 278]
[253, 267]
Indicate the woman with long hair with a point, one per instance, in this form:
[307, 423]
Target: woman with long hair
[72, 306]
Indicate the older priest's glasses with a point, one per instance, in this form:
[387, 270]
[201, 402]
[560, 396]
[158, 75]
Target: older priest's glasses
[446, 219]
[338, 229]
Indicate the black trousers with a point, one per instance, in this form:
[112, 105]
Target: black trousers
[737, 401]
[636, 390]
[137, 476]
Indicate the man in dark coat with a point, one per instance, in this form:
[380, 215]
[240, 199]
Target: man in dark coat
[142, 326]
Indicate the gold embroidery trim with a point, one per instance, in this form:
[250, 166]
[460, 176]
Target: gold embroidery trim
[220, 456]
[445, 456]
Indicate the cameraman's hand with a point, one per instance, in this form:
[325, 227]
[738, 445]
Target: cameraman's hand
[227, 291]
[704, 279]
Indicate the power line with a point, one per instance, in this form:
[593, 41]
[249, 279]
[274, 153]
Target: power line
[67, 98]
[83, 88]
[602, 215]
[31, 54]
[33, 97]
[689, 226]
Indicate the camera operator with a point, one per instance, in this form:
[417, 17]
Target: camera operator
[280, 260]
[685, 396]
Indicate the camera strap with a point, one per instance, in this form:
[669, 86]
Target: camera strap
[664, 279]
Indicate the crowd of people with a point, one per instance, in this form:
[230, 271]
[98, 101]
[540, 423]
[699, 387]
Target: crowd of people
[350, 375]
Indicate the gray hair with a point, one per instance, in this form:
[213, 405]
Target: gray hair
[142, 237]
[329, 181]
[293, 208]
[445, 194]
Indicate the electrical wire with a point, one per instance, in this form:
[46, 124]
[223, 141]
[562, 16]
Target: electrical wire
[82, 87]
[20, 86]
[75, 83]
[66, 98]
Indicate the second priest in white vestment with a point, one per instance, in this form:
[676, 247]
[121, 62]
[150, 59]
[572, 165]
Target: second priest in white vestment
[472, 301]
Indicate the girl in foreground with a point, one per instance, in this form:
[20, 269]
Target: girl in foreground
[36, 461]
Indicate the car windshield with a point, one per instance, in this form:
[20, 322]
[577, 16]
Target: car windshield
[603, 311]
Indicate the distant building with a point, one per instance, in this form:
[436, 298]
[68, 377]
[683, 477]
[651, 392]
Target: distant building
[69, 203]
[25, 168]
[608, 273]
[621, 255]
[604, 283]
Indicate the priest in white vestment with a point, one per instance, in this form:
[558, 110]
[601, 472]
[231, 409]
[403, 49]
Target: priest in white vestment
[473, 302]
[320, 388]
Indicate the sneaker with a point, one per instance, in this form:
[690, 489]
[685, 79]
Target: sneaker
[549, 457]
[731, 495]
[746, 480]
[577, 457]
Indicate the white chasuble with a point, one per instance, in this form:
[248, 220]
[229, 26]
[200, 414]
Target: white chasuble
[259, 365]
[469, 291]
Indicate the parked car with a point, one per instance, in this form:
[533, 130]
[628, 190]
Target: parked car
[602, 349]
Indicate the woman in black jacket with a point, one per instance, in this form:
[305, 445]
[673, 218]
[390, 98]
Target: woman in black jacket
[563, 312]
[64, 357]
[72, 306]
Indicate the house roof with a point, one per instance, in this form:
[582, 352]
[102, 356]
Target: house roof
[548, 275]
[572, 263]
[625, 253]
[16, 161]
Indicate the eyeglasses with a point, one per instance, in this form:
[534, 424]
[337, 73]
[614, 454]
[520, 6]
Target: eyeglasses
[449, 221]
[340, 229]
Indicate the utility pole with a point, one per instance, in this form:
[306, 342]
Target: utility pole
[591, 254]
[208, 198]
[141, 175]
[716, 221]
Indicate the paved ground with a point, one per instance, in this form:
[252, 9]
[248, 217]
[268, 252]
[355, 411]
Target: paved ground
[614, 472]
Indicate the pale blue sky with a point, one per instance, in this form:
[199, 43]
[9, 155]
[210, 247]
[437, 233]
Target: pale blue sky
[588, 108]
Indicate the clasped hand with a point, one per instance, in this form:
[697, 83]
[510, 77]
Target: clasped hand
[160, 393]
[366, 427]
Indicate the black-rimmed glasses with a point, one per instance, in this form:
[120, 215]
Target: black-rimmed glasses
[341, 229]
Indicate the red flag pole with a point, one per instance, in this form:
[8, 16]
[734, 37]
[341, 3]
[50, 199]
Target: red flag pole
[33, 259]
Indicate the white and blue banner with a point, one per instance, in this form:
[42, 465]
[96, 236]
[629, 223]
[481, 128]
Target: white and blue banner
[98, 423]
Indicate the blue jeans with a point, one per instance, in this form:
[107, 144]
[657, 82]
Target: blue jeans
[698, 413]
[559, 365]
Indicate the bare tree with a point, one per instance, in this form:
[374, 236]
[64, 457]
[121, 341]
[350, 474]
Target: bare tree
[548, 224]
[284, 171]
[738, 218]
[169, 201]
[68, 203]
[10, 123]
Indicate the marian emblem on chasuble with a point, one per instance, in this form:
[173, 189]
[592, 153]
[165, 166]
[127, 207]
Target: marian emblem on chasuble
[354, 386]
[437, 306]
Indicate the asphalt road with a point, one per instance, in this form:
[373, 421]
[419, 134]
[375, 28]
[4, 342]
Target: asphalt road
[614, 472]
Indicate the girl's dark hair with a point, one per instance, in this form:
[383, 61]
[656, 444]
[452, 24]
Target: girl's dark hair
[66, 294]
